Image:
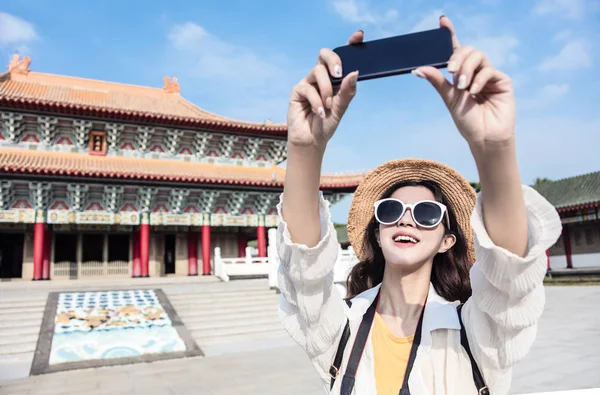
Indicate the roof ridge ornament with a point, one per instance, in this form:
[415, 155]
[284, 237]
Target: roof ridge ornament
[18, 65]
[171, 85]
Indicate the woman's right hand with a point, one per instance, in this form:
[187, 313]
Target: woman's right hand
[316, 107]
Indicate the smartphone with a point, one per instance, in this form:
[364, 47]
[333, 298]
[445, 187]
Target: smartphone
[396, 55]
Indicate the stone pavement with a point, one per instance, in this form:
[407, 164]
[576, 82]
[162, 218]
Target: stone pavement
[566, 355]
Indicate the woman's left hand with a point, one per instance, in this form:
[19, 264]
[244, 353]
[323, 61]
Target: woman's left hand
[481, 100]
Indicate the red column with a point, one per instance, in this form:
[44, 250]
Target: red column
[205, 248]
[548, 260]
[242, 244]
[47, 253]
[261, 238]
[144, 244]
[192, 254]
[38, 245]
[567, 243]
[135, 255]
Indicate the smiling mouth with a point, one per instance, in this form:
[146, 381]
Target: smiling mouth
[405, 241]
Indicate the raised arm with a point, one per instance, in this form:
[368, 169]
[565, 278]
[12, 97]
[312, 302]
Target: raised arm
[311, 309]
[314, 114]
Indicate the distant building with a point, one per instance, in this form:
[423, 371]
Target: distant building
[577, 199]
[103, 179]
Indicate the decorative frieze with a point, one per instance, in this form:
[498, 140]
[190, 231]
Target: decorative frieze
[145, 199]
[177, 200]
[207, 201]
[278, 151]
[112, 198]
[201, 143]
[251, 148]
[235, 202]
[13, 126]
[143, 136]
[40, 195]
[263, 203]
[7, 195]
[226, 145]
[81, 129]
[48, 128]
[77, 194]
[172, 138]
[114, 135]
[334, 198]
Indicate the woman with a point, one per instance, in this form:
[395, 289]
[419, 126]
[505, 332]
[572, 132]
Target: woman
[417, 227]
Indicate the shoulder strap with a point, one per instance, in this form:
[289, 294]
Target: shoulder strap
[482, 389]
[334, 369]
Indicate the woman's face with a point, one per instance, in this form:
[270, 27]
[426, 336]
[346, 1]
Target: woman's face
[425, 242]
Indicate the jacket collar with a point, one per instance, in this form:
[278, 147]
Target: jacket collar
[439, 313]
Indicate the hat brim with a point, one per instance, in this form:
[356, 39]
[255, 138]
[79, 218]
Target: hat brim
[455, 188]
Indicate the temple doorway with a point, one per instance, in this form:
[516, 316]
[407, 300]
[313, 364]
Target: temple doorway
[11, 255]
[169, 255]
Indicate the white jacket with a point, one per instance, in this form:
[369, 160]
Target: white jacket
[500, 317]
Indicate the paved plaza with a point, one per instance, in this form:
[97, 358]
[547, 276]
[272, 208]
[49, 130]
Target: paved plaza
[566, 356]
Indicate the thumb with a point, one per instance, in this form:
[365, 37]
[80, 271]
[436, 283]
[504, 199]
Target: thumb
[346, 93]
[437, 79]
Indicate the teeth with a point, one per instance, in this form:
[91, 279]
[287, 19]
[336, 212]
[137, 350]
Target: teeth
[405, 238]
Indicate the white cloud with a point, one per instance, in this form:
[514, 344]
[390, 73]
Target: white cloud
[563, 35]
[260, 83]
[428, 22]
[15, 30]
[547, 95]
[359, 11]
[572, 9]
[500, 50]
[574, 55]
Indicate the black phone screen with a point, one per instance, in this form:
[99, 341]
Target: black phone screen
[396, 55]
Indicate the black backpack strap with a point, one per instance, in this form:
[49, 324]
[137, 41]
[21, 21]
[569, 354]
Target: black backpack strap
[357, 349]
[404, 390]
[482, 389]
[334, 369]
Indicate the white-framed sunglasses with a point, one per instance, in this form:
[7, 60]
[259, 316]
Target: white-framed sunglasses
[426, 213]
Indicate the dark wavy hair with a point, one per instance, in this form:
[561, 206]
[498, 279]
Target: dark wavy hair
[450, 271]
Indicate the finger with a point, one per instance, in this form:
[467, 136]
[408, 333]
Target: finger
[445, 22]
[306, 92]
[458, 57]
[437, 79]
[356, 37]
[474, 62]
[487, 75]
[332, 61]
[320, 76]
[346, 94]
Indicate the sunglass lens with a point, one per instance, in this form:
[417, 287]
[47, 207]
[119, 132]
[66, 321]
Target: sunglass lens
[427, 214]
[389, 211]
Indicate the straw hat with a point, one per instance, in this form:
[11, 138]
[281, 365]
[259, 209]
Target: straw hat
[455, 187]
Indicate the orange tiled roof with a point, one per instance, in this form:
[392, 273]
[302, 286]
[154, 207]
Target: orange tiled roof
[14, 161]
[21, 88]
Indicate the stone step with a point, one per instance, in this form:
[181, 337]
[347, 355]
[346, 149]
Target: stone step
[206, 291]
[20, 330]
[19, 323]
[192, 299]
[4, 303]
[21, 310]
[232, 323]
[18, 338]
[18, 348]
[248, 314]
[226, 305]
[242, 338]
[235, 330]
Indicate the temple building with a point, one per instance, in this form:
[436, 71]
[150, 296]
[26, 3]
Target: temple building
[103, 179]
[577, 200]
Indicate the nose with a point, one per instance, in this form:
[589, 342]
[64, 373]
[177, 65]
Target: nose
[407, 219]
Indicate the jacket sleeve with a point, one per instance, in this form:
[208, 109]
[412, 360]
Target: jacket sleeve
[508, 293]
[310, 307]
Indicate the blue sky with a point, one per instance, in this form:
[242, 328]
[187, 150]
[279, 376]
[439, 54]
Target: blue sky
[241, 58]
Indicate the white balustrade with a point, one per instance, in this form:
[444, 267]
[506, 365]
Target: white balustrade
[248, 266]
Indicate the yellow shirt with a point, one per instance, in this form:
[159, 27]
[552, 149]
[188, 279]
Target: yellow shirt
[391, 355]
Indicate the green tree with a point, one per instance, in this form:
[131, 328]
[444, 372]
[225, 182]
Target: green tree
[475, 186]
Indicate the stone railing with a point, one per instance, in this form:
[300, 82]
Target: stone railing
[240, 267]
